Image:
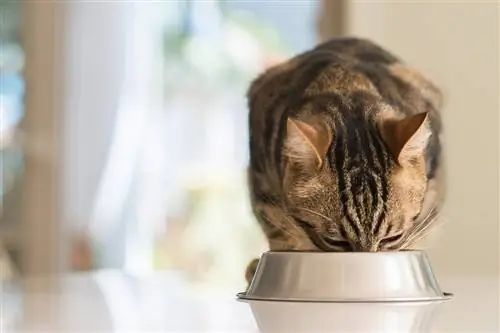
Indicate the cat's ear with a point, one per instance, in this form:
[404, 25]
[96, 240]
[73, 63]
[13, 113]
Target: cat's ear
[407, 138]
[307, 142]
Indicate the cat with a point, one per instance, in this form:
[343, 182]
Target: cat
[345, 151]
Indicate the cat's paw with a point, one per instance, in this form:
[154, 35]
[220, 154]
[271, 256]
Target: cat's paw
[251, 268]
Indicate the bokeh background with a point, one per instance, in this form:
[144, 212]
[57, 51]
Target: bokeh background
[124, 137]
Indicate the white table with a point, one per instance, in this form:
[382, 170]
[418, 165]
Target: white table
[111, 301]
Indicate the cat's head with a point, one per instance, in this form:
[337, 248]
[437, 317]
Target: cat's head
[357, 183]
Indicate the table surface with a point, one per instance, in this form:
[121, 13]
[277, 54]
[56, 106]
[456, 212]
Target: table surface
[113, 301]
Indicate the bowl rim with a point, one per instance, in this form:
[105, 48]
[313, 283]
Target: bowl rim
[322, 253]
[443, 298]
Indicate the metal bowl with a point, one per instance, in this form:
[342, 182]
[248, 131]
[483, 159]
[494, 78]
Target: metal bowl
[344, 277]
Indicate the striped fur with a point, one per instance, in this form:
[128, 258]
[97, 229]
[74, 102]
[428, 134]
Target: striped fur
[345, 151]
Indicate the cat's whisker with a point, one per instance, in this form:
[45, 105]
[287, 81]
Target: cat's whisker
[291, 230]
[316, 213]
[421, 228]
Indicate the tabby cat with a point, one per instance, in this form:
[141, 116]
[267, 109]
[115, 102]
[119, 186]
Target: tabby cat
[345, 151]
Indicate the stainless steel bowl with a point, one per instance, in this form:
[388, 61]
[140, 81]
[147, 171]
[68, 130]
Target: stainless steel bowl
[344, 277]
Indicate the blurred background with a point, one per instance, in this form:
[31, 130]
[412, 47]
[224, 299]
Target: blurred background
[123, 133]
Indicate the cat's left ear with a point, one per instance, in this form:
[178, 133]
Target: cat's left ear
[407, 138]
[307, 142]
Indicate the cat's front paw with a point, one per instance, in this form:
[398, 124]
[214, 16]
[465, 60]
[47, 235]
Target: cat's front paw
[251, 268]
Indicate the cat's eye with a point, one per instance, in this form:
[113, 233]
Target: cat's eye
[341, 245]
[392, 239]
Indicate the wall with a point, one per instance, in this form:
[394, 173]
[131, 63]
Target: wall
[457, 44]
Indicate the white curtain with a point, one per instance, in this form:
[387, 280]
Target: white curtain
[113, 93]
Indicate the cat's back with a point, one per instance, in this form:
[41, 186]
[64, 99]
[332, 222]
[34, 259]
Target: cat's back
[358, 49]
[336, 55]
[343, 65]
[352, 55]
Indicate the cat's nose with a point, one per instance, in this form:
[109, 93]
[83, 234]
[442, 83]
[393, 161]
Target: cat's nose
[368, 246]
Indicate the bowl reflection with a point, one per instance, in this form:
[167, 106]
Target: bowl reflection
[276, 316]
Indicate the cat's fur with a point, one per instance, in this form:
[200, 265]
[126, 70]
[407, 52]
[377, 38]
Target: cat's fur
[345, 151]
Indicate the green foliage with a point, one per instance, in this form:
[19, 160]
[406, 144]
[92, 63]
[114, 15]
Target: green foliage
[9, 21]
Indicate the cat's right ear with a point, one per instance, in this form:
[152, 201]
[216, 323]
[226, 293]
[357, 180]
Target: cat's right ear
[407, 138]
[307, 143]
